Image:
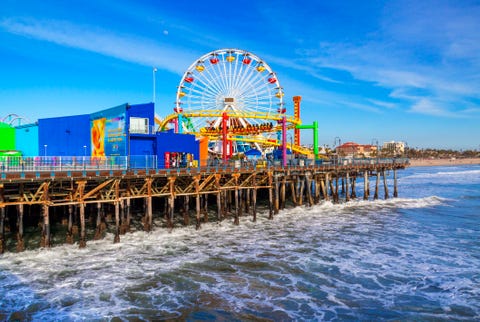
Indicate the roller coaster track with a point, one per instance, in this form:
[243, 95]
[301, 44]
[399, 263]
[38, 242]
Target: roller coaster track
[294, 148]
[232, 114]
[291, 123]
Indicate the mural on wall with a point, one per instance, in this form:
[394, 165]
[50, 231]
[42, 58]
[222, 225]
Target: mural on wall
[107, 132]
[98, 137]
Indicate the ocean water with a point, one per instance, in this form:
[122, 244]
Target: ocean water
[416, 257]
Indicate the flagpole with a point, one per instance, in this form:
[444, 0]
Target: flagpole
[154, 72]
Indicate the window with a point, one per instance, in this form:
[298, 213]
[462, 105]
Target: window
[139, 125]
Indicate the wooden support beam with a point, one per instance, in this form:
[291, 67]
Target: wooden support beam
[219, 205]
[128, 214]
[282, 191]
[83, 241]
[324, 190]
[347, 188]
[270, 195]
[123, 218]
[247, 200]
[254, 199]
[240, 202]
[327, 185]
[218, 178]
[69, 238]
[336, 197]
[316, 184]
[293, 190]
[276, 203]
[385, 186]
[186, 211]
[20, 241]
[332, 191]
[98, 223]
[365, 185]
[237, 211]
[205, 207]
[171, 198]
[116, 239]
[148, 221]
[395, 188]
[377, 183]
[198, 210]
[45, 239]
[236, 176]
[308, 186]
[354, 186]
[301, 184]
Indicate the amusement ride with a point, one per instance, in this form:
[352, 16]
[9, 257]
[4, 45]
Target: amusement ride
[235, 99]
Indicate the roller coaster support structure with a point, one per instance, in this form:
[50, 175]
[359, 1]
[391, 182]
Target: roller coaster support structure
[179, 128]
[224, 137]
[314, 126]
[284, 141]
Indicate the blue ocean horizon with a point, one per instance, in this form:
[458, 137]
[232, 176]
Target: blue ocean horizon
[415, 257]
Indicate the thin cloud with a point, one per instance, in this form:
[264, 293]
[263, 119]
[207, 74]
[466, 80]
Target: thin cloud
[383, 104]
[125, 47]
[446, 71]
[428, 107]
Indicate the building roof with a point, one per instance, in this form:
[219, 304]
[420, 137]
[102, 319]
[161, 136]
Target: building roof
[348, 145]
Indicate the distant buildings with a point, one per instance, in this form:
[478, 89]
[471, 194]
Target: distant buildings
[393, 148]
[355, 150]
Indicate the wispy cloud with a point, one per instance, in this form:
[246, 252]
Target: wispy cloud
[426, 55]
[126, 47]
[428, 107]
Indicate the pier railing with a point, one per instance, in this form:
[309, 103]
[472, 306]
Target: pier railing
[16, 164]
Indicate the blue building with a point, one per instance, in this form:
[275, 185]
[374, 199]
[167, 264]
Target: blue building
[27, 139]
[64, 136]
[171, 144]
[124, 130]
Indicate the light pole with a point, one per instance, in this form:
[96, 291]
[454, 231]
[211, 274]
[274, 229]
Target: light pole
[84, 150]
[45, 149]
[291, 147]
[335, 140]
[375, 143]
[154, 73]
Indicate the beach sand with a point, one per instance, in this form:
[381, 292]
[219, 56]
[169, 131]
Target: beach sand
[442, 162]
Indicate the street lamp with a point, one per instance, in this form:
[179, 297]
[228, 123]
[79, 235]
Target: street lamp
[375, 143]
[45, 149]
[374, 140]
[84, 150]
[154, 73]
[337, 139]
[291, 147]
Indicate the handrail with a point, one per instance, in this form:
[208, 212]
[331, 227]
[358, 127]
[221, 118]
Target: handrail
[16, 164]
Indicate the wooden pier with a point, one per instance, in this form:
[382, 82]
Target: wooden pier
[77, 198]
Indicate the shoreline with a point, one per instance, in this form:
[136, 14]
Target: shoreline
[443, 162]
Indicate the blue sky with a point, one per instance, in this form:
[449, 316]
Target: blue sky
[366, 70]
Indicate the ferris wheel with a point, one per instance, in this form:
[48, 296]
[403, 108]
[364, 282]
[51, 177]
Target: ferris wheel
[228, 81]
